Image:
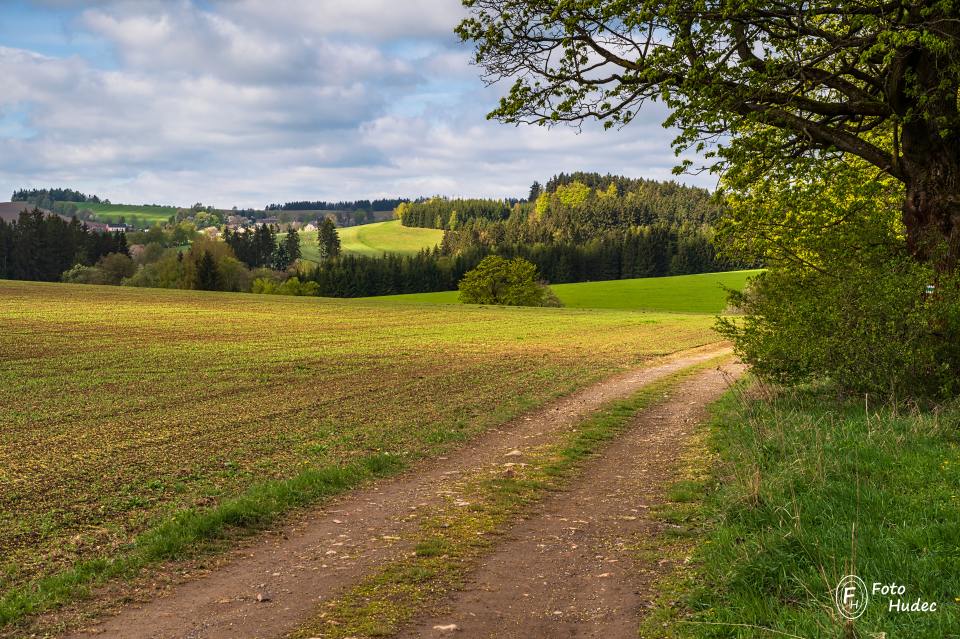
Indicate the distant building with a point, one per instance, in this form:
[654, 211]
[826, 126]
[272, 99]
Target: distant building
[117, 228]
[268, 221]
[309, 227]
[98, 227]
[237, 221]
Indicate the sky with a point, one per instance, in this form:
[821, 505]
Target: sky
[248, 102]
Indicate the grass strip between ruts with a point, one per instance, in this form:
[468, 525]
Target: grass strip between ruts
[450, 541]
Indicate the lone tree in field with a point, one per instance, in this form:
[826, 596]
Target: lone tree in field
[496, 280]
[773, 80]
[328, 239]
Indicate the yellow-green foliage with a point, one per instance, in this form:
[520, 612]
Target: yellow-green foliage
[811, 215]
[573, 194]
[121, 405]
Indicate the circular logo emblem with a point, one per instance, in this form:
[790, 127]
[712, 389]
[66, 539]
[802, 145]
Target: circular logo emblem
[851, 597]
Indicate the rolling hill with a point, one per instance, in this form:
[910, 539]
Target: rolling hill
[702, 293]
[146, 214]
[373, 240]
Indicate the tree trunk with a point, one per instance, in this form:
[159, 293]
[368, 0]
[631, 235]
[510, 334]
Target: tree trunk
[931, 210]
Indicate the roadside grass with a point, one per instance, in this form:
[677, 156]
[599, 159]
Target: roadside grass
[146, 214]
[803, 489]
[123, 408]
[702, 293]
[450, 542]
[192, 531]
[374, 239]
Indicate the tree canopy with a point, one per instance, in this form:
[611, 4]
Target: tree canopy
[496, 280]
[751, 79]
[328, 239]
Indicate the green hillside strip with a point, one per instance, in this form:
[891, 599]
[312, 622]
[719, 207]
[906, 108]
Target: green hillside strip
[373, 240]
[388, 237]
[807, 490]
[145, 213]
[702, 293]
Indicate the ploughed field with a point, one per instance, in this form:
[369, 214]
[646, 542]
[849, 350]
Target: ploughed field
[121, 406]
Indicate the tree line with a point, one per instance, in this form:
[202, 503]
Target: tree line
[640, 252]
[575, 204]
[41, 247]
[258, 248]
[47, 198]
[384, 204]
[584, 227]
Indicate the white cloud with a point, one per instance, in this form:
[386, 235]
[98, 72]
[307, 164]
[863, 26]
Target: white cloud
[251, 102]
[366, 19]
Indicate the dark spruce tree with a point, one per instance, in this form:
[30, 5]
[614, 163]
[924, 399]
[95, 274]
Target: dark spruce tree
[328, 239]
[535, 190]
[292, 245]
[208, 275]
[41, 247]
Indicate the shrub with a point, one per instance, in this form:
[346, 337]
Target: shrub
[116, 267]
[166, 272]
[81, 274]
[868, 329]
[496, 280]
[292, 286]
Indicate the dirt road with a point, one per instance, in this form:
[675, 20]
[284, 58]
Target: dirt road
[569, 571]
[272, 585]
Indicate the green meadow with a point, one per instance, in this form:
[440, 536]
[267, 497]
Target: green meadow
[146, 214]
[797, 490]
[703, 293]
[374, 240]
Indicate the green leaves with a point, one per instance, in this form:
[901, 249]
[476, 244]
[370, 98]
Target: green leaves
[748, 83]
[496, 280]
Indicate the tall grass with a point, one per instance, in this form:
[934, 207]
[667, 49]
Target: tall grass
[808, 489]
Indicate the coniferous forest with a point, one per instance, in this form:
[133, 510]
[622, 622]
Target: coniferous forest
[42, 247]
[577, 227]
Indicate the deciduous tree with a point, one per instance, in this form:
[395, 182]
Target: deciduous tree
[773, 80]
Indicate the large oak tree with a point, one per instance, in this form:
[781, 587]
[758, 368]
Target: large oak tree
[780, 80]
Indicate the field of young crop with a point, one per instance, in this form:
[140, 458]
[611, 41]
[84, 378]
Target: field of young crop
[703, 293]
[122, 406]
[375, 239]
[143, 214]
